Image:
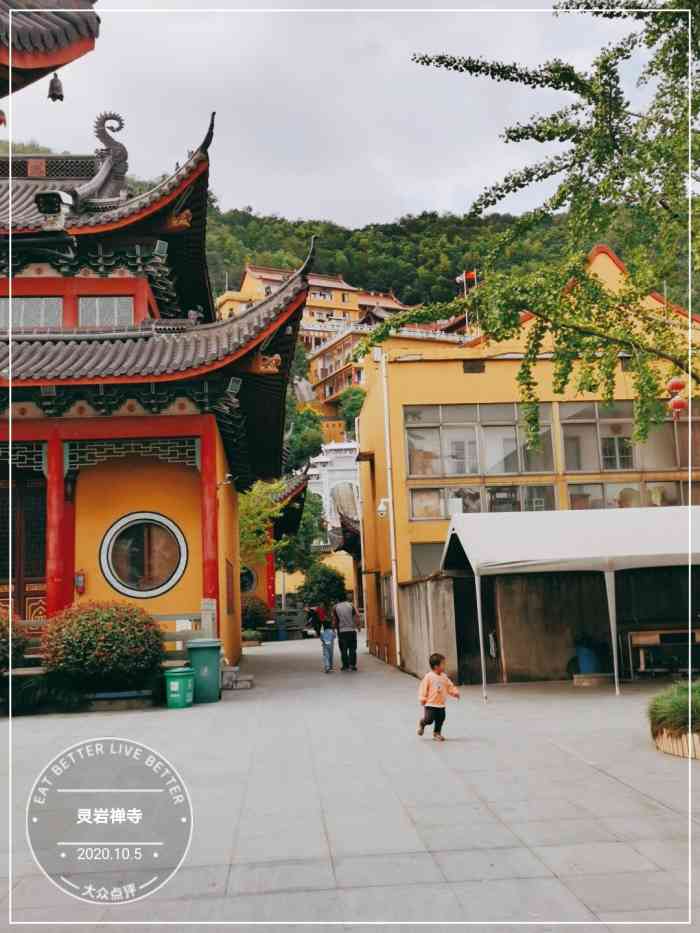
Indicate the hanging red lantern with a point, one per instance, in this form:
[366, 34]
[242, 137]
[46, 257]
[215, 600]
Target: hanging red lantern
[677, 406]
[675, 385]
[3, 118]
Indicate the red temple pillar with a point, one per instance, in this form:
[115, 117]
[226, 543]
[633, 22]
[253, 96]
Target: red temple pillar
[210, 524]
[270, 560]
[55, 516]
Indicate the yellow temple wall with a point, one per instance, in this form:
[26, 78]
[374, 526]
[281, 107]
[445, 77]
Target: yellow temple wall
[109, 491]
[229, 561]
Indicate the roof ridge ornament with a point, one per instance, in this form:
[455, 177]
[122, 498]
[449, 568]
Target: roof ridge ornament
[206, 142]
[106, 123]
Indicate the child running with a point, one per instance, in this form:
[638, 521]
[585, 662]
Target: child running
[432, 694]
[327, 639]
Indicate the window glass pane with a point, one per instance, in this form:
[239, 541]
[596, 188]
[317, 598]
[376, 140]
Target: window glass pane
[538, 498]
[106, 311]
[4, 312]
[124, 310]
[577, 411]
[541, 460]
[545, 410]
[616, 445]
[87, 312]
[421, 414]
[615, 410]
[580, 447]
[144, 555]
[685, 428]
[500, 450]
[459, 455]
[423, 451]
[662, 494]
[586, 496]
[426, 503]
[691, 497]
[496, 413]
[502, 499]
[622, 495]
[659, 451]
[425, 560]
[37, 312]
[461, 499]
[459, 414]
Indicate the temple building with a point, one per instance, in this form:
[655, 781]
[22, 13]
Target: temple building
[136, 415]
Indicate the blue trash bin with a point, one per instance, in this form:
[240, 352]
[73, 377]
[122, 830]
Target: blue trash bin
[588, 661]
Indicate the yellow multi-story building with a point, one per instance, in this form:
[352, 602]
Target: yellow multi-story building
[441, 433]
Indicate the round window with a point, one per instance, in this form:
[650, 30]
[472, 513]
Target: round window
[143, 554]
[248, 580]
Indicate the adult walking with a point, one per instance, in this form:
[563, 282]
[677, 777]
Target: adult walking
[347, 622]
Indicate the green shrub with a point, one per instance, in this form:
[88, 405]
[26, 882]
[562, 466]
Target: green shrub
[669, 710]
[249, 634]
[323, 586]
[255, 612]
[103, 646]
[20, 641]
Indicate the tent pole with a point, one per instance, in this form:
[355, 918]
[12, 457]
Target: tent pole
[612, 613]
[480, 620]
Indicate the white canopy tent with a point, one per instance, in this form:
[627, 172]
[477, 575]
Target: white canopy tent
[598, 539]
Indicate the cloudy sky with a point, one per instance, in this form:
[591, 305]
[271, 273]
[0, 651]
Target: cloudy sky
[319, 113]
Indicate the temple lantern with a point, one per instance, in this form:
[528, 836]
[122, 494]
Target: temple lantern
[675, 385]
[3, 118]
[677, 406]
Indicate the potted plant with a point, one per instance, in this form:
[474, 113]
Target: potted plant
[674, 718]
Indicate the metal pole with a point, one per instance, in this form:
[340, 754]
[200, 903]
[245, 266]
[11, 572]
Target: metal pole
[612, 613]
[390, 497]
[480, 619]
[363, 564]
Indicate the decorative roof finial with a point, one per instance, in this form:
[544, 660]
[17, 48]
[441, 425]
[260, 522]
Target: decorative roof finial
[206, 142]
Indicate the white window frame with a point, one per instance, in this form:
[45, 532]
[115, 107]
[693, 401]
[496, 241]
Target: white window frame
[110, 536]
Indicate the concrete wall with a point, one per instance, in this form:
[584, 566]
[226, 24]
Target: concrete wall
[427, 624]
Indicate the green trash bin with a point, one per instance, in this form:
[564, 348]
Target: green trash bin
[179, 687]
[204, 654]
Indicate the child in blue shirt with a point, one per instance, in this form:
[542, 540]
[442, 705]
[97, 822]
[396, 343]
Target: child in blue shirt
[327, 640]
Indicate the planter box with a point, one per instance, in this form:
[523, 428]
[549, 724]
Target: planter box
[251, 644]
[683, 746]
[592, 680]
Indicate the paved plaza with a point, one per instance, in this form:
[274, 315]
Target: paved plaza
[314, 800]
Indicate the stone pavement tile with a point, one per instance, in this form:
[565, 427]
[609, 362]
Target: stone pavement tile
[451, 815]
[619, 802]
[543, 900]
[69, 910]
[661, 827]
[293, 839]
[488, 864]
[637, 890]
[478, 835]
[500, 788]
[360, 871]
[561, 832]
[416, 793]
[648, 921]
[591, 858]
[400, 904]
[669, 854]
[540, 808]
[367, 831]
[268, 877]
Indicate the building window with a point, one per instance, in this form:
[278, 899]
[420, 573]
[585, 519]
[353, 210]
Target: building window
[345, 297]
[503, 499]
[31, 312]
[622, 496]
[586, 496]
[596, 435]
[658, 452]
[249, 580]
[538, 498]
[659, 494]
[689, 443]
[469, 439]
[425, 559]
[444, 502]
[143, 555]
[616, 450]
[106, 311]
[520, 498]
[691, 496]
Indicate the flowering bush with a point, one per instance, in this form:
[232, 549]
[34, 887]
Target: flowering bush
[255, 612]
[19, 641]
[103, 646]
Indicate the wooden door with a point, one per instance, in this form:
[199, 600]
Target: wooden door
[23, 572]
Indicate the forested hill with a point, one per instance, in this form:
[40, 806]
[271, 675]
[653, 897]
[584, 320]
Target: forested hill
[416, 256]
